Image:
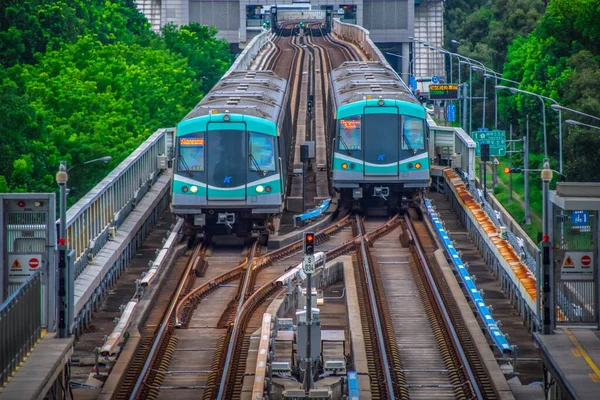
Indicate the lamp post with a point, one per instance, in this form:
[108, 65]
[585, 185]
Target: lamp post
[62, 177]
[410, 62]
[541, 98]
[65, 299]
[497, 77]
[547, 284]
[470, 94]
[577, 123]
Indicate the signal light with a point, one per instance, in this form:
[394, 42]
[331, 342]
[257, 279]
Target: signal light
[344, 166]
[21, 203]
[309, 243]
[62, 241]
[512, 170]
[418, 166]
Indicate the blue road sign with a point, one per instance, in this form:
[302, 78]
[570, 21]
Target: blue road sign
[580, 218]
[451, 112]
[413, 82]
[435, 79]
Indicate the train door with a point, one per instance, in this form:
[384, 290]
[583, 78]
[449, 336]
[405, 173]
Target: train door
[380, 141]
[226, 165]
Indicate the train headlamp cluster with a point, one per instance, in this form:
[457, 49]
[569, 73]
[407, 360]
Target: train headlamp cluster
[192, 189]
[346, 166]
[261, 188]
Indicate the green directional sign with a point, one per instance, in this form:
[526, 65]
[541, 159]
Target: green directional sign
[496, 140]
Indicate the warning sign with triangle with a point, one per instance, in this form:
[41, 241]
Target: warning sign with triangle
[16, 264]
[568, 262]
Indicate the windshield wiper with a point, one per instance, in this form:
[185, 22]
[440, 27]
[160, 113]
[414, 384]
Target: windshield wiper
[345, 145]
[408, 143]
[255, 163]
[187, 169]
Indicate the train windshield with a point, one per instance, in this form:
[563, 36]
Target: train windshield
[350, 129]
[413, 134]
[262, 152]
[191, 152]
[225, 154]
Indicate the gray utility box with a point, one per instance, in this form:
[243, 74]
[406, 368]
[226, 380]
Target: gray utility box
[315, 342]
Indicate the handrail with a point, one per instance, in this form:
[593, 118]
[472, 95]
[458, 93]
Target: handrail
[249, 53]
[111, 200]
[20, 325]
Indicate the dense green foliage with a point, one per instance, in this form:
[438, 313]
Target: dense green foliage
[83, 79]
[485, 28]
[553, 49]
[561, 60]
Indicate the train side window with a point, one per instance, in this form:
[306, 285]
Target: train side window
[262, 152]
[350, 130]
[413, 134]
[191, 152]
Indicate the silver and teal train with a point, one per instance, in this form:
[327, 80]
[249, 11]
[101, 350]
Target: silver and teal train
[379, 135]
[232, 154]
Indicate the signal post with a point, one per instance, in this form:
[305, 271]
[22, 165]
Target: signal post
[308, 267]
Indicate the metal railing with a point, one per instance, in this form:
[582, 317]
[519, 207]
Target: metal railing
[20, 325]
[359, 36]
[112, 200]
[248, 55]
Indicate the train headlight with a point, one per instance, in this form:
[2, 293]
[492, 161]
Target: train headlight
[352, 166]
[418, 166]
[260, 189]
[268, 189]
[194, 189]
[184, 189]
[344, 166]
[410, 165]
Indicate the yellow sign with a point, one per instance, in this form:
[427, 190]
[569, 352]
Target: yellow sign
[568, 262]
[443, 87]
[16, 264]
[191, 142]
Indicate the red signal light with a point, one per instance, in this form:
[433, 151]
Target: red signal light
[62, 241]
[21, 203]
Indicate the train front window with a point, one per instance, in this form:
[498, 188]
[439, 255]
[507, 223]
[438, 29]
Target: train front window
[262, 152]
[349, 137]
[191, 152]
[413, 134]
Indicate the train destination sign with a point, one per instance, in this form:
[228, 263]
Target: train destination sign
[443, 92]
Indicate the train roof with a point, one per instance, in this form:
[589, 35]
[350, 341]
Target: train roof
[354, 80]
[257, 93]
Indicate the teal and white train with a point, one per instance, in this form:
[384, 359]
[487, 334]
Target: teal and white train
[379, 135]
[232, 154]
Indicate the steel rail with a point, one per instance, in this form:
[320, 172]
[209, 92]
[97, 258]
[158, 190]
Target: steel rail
[249, 270]
[166, 321]
[438, 298]
[382, 349]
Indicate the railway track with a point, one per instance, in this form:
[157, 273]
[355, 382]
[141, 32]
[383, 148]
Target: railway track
[424, 351]
[419, 344]
[190, 359]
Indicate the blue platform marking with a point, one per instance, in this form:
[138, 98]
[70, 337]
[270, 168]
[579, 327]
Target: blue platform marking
[482, 309]
[353, 390]
[320, 209]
